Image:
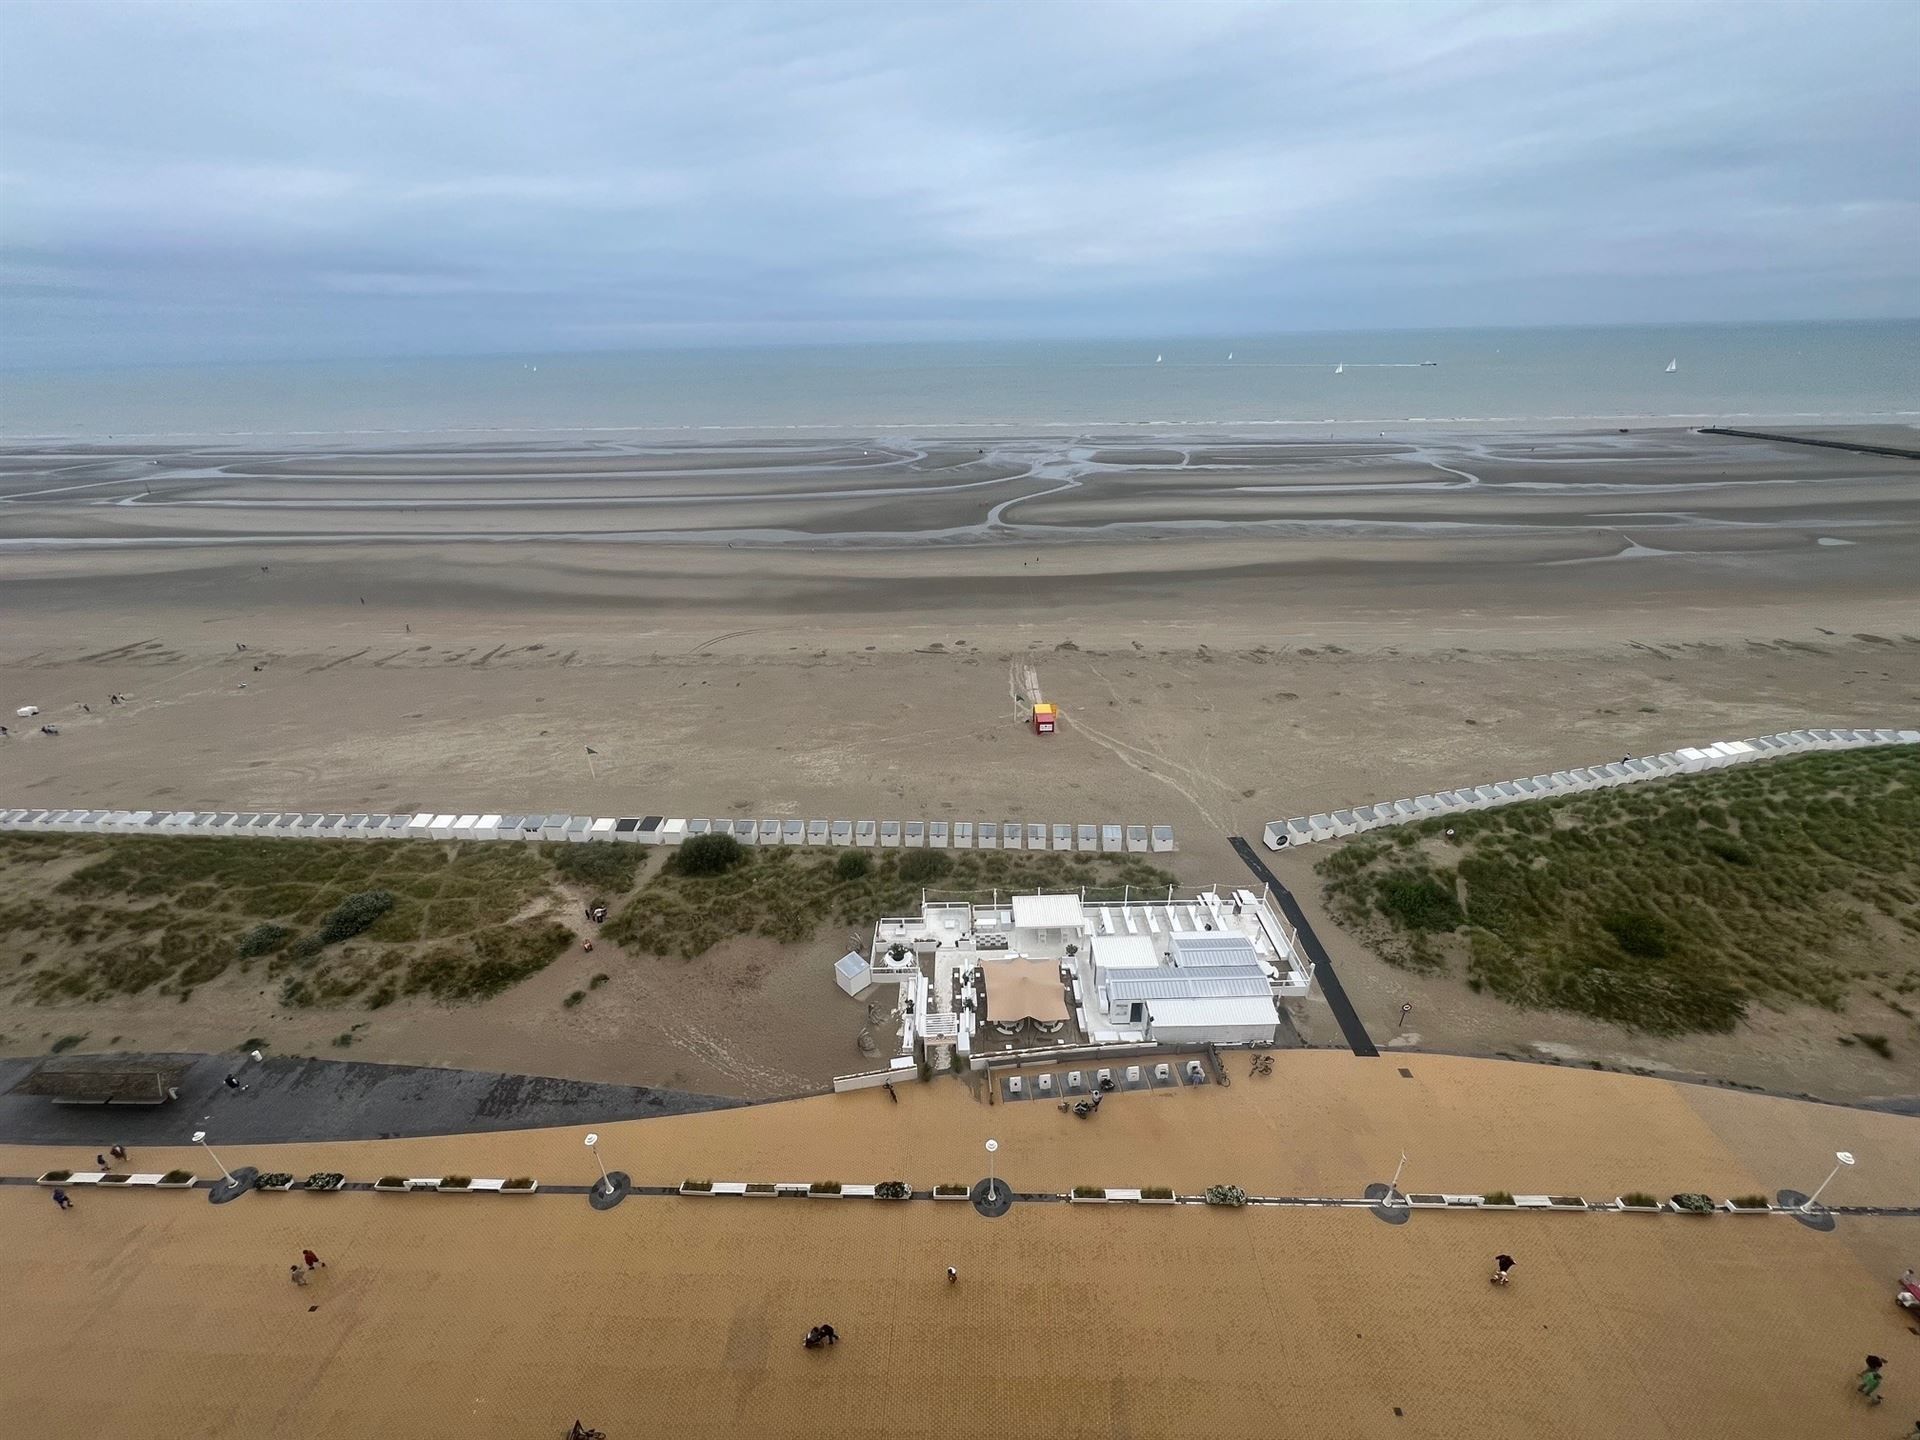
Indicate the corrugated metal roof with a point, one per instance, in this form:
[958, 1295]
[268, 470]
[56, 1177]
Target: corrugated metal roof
[1212, 1014]
[1211, 947]
[1207, 982]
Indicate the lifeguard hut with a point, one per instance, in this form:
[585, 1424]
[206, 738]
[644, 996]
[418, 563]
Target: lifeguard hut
[1046, 718]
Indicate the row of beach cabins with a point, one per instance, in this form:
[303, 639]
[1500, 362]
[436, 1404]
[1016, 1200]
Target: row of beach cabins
[632, 830]
[1305, 829]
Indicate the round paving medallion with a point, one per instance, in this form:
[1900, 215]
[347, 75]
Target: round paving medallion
[602, 1198]
[995, 1204]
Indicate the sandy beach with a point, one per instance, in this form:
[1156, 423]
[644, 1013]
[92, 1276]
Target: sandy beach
[1237, 631]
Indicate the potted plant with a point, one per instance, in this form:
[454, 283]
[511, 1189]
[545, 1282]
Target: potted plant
[1749, 1205]
[824, 1189]
[520, 1185]
[55, 1177]
[322, 1181]
[392, 1184]
[1499, 1200]
[951, 1190]
[1158, 1195]
[897, 952]
[893, 1190]
[1691, 1202]
[455, 1182]
[1088, 1195]
[760, 1189]
[696, 1187]
[277, 1180]
[1231, 1196]
[1638, 1202]
[176, 1179]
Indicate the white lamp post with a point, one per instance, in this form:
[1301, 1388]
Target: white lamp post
[200, 1139]
[1393, 1185]
[593, 1142]
[1842, 1158]
[992, 1146]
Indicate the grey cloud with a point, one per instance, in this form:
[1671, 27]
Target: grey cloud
[230, 180]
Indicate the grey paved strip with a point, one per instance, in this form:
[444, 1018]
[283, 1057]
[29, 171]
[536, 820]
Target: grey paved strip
[1323, 972]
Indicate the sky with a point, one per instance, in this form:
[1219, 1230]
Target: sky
[246, 181]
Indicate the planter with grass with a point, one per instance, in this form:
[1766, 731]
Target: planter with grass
[114, 1178]
[948, 1190]
[520, 1185]
[277, 1180]
[824, 1190]
[696, 1187]
[760, 1190]
[455, 1183]
[1088, 1195]
[1419, 1201]
[1638, 1202]
[1749, 1205]
[175, 1180]
[1230, 1196]
[1566, 1202]
[893, 1190]
[1158, 1195]
[392, 1185]
[1691, 1202]
[791, 1191]
[55, 1177]
[323, 1182]
[1498, 1200]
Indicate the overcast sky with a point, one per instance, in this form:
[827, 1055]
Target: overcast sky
[193, 181]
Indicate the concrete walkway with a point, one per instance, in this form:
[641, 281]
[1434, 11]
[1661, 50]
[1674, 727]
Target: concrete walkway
[296, 1100]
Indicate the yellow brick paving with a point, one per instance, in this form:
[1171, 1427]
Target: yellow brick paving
[157, 1314]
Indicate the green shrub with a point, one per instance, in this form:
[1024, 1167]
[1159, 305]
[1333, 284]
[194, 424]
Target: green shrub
[696, 1185]
[1419, 901]
[1876, 1043]
[824, 1187]
[392, 1182]
[176, 1177]
[892, 1190]
[1693, 1203]
[1156, 1192]
[65, 1042]
[597, 981]
[1497, 1197]
[852, 865]
[264, 939]
[1089, 1192]
[1752, 1202]
[352, 915]
[1639, 933]
[1232, 1196]
[455, 1182]
[951, 1187]
[919, 867]
[1640, 1199]
[708, 855]
[574, 999]
[612, 868]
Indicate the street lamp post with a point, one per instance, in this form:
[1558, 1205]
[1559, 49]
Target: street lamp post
[992, 1146]
[1842, 1159]
[200, 1139]
[1393, 1185]
[593, 1142]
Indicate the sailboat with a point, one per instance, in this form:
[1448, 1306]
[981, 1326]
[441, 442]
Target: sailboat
[1158, 358]
[1672, 365]
[1229, 354]
[1340, 369]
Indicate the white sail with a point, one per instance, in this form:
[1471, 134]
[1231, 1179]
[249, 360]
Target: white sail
[1672, 365]
[1340, 369]
[1229, 354]
[1158, 358]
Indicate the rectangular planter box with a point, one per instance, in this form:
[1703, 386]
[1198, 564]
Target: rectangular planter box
[827, 1194]
[1123, 1197]
[287, 1185]
[520, 1189]
[1733, 1209]
[729, 1187]
[938, 1196]
[466, 1189]
[857, 1192]
[391, 1189]
[488, 1186]
[1086, 1199]
[186, 1184]
[789, 1190]
[1159, 1199]
[1427, 1202]
[752, 1194]
[1627, 1209]
[685, 1189]
[115, 1180]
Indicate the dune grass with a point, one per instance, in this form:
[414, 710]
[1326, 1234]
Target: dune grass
[1666, 907]
[787, 894]
[94, 916]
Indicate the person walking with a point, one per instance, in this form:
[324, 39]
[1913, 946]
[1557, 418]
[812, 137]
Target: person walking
[118, 1152]
[101, 1161]
[953, 1276]
[1868, 1383]
[296, 1275]
[62, 1199]
[1502, 1269]
[312, 1260]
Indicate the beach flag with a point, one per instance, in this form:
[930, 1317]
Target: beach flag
[591, 752]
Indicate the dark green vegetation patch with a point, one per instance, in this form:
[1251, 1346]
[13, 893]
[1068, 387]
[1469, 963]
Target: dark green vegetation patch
[786, 894]
[1668, 907]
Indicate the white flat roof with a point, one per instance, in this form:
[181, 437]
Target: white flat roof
[1214, 1013]
[1048, 912]
[1126, 952]
[1212, 947]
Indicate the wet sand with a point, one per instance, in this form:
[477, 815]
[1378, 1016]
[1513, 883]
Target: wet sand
[1237, 631]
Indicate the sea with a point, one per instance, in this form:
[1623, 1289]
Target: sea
[1557, 378]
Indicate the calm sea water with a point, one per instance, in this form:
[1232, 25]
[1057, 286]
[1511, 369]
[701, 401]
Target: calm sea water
[1559, 377]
